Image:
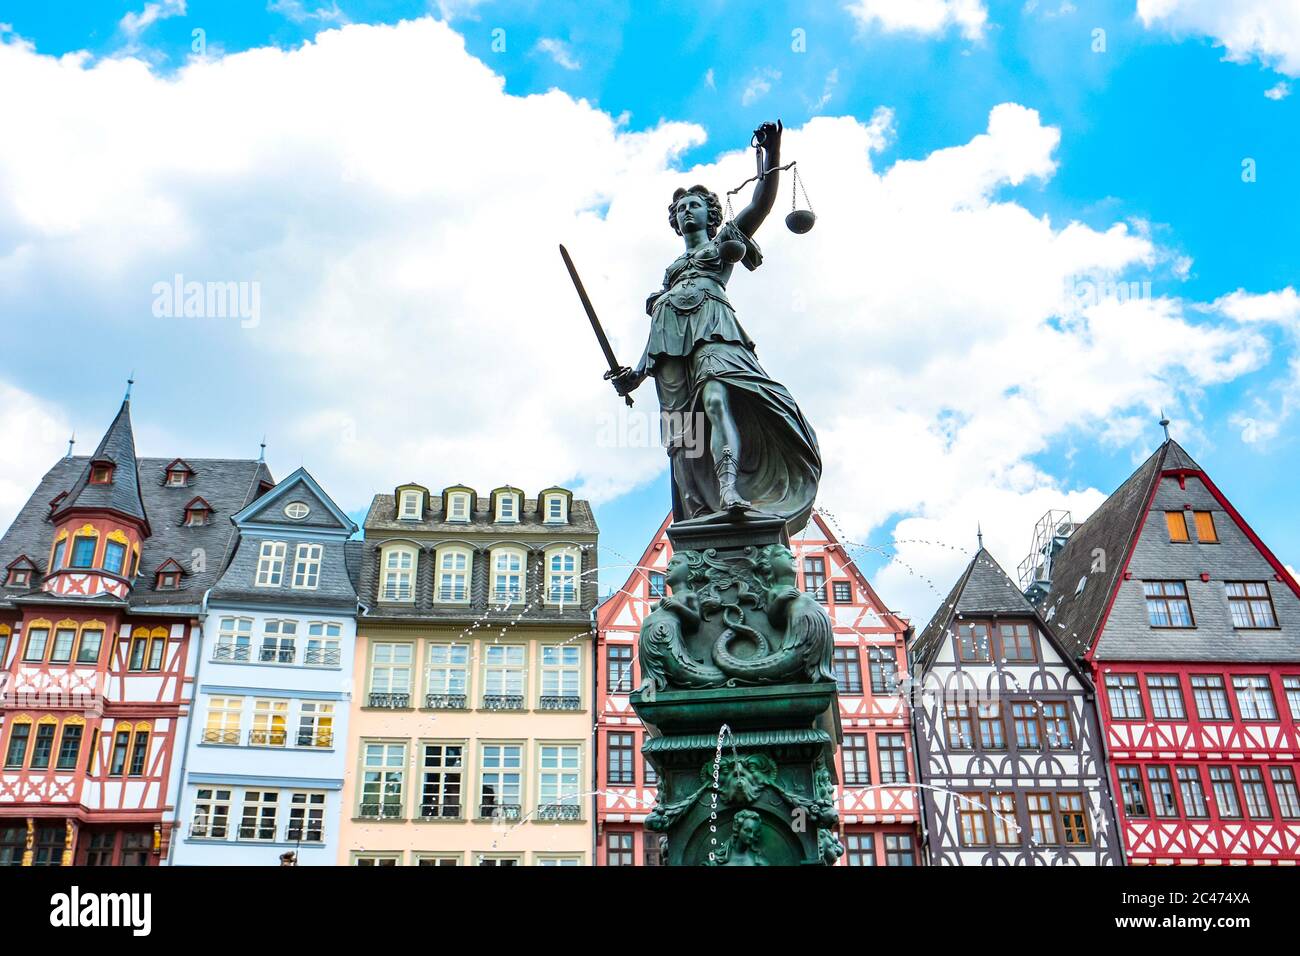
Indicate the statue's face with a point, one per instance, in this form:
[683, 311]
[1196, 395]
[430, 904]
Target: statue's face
[749, 831]
[782, 563]
[677, 572]
[692, 213]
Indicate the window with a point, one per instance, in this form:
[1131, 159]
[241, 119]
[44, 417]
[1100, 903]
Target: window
[279, 640]
[259, 813]
[64, 638]
[1002, 814]
[270, 723]
[316, 724]
[1177, 524]
[883, 667]
[458, 506]
[899, 850]
[453, 575]
[1124, 696]
[1288, 802]
[69, 747]
[618, 669]
[225, 715]
[842, 592]
[399, 574]
[1225, 792]
[557, 782]
[501, 781]
[383, 775]
[503, 676]
[814, 577]
[390, 674]
[101, 474]
[993, 734]
[16, 755]
[43, 745]
[4, 647]
[56, 561]
[139, 754]
[957, 722]
[446, 674]
[1074, 822]
[1291, 685]
[411, 509]
[893, 758]
[562, 577]
[860, 849]
[49, 846]
[196, 515]
[1132, 791]
[425, 859]
[1024, 717]
[1017, 643]
[169, 580]
[1206, 533]
[507, 576]
[176, 478]
[306, 818]
[211, 814]
[324, 644]
[561, 677]
[847, 666]
[270, 565]
[857, 760]
[557, 509]
[234, 642]
[19, 577]
[1162, 791]
[1251, 604]
[973, 643]
[619, 753]
[972, 815]
[1192, 793]
[83, 551]
[508, 507]
[114, 557]
[157, 648]
[37, 639]
[1167, 604]
[91, 642]
[618, 849]
[649, 774]
[1210, 696]
[378, 859]
[444, 765]
[1056, 725]
[1042, 821]
[1252, 788]
[306, 566]
[117, 762]
[658, 584]
[1166, 697]
[1254, 697]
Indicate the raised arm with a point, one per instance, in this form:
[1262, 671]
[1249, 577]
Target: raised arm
[767, 139]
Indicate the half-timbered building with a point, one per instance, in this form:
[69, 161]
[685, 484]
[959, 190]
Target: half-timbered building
[879, 811]
[1008, 742]
[107, 564]
[1190, 628]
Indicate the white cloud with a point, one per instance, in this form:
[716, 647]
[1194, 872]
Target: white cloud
[828, 88]
[759, 85]
[417, 323]
[1265, 417]
[297, 11]
[133, 24]
[1264, 30]
[38, 432]
[925, 17]
[1280, 91]
[559, 52]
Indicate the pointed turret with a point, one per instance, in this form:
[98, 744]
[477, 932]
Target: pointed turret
[111, 479]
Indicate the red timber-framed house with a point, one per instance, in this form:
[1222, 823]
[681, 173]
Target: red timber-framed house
[1190, 628]
[100, 609]
[1008, 742]
[879, 811]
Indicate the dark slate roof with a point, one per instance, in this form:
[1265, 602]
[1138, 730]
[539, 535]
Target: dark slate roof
[383, 517]
[983, 590]
[228, 485]
[123, 493]
[1112, 528]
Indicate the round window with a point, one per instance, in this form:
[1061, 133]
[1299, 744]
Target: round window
[296, 510]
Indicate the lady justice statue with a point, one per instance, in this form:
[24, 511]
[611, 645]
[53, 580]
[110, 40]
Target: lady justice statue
[762, 454]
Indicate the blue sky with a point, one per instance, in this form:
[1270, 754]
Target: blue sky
[1153, 132]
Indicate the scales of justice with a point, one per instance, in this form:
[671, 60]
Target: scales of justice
[737, 689]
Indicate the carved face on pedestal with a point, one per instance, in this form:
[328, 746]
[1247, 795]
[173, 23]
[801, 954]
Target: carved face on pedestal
[678, 573]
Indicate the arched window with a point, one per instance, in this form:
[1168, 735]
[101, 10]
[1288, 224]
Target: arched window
[399, 564]
[509, 575]
[562, 565]
[454, 574]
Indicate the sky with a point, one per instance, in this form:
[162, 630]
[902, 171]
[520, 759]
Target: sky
[1041, 225]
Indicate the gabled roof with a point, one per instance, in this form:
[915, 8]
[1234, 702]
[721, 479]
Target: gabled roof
[198, 502]
[325, 517]
[1111, 532]
[22, 561]
[983, 590]
[179, 464]
[122, 494]
[609, 608]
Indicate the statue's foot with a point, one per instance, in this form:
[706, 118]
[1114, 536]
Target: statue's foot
[734, 503]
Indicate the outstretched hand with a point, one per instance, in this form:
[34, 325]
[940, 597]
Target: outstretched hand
[625, 380]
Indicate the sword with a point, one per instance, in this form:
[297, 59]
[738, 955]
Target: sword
[614, 367]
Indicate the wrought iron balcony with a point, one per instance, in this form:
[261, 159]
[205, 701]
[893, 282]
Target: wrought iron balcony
[508, 595]
[312, 832]
[276, 655]
[560, 703]
[445, 701]
[391, 701]
[232, 652]
[256, 831]
[500, 811]
[440, 811]
[208, 830]
[559, 811]
[322, 656]
[380, 811]
[322, 738]
[453, 593]
[503, 702]
[397, 592]
[229, 738]
[268, 738]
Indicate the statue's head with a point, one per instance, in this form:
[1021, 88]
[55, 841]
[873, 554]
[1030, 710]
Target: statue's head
[745, 828]
[694, 209]
[775, 565]
[685, 568]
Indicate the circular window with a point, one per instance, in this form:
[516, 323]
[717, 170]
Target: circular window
[296, 510]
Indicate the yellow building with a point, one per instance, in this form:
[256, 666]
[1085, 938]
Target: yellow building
[471, 723]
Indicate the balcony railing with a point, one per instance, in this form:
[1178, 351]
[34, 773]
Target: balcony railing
[228, 737]
[500, 811]
[503, 702]
[275, 655]
[322, 657]
[208, 830]
[232, 652]
[313, 832]
[440, 811]
[391, 701]
[563, 702]
[563, 595]
[445, 701]
[397, 592]
[508, 595]
[381, 811]
[559, 811]
[452, 593]
[256, 831]
[321, 738]
[267, 738]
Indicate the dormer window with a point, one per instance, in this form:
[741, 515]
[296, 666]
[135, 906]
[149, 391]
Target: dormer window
[458, 506]
[101, 473]
[178, 474]
[410, 509]
[556, 509]
[197, 513]
[168, 577]
[507, 507]
[56, 501]
[19, 577]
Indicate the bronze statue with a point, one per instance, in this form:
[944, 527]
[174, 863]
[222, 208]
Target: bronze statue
[762, 453]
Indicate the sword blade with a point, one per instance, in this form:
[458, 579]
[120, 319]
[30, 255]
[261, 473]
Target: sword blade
[601, 338]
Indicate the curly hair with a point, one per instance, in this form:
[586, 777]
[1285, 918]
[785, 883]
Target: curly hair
[710, 199]
[763, 563]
